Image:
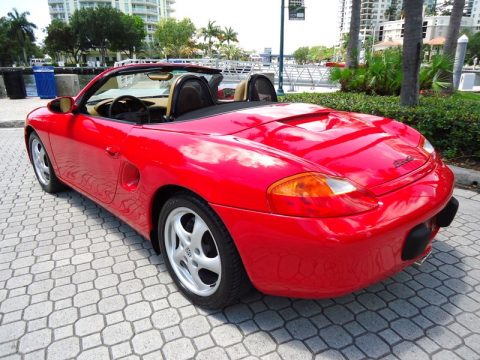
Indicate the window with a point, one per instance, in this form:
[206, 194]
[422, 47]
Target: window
[424, 29]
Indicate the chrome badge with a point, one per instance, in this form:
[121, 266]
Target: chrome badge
[401, 162]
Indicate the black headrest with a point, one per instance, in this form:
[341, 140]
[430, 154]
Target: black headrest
[260, 88]
[191, 93]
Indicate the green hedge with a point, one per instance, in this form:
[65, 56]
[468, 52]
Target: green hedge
[452, 123]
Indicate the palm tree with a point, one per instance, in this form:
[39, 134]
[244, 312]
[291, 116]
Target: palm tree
[209, 33]
[412, 49]
[454, 28]
[231, 52]
[352, 47]
[22, 30]
[391, 13]
[228, 34]
[452, 35]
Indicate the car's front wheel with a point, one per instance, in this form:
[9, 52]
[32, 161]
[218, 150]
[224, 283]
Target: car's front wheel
[42, 165]
[199, 252]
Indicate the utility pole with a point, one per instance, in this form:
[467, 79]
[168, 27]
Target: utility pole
[280, 58]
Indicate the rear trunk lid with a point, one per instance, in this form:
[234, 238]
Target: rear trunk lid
[346, 144]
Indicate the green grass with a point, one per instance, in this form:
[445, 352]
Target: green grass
[467, 96]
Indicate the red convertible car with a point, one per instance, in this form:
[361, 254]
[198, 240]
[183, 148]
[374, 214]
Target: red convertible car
[296, 199]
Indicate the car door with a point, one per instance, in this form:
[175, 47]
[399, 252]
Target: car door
[87, 151]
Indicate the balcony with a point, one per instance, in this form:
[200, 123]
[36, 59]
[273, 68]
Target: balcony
[150, 19]
[145, 2]
[144, 10]
[54, 10]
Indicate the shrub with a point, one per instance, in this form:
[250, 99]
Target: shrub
[452, 124]
[382, 74]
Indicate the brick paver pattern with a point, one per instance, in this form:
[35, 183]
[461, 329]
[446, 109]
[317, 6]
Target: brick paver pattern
[76, 282]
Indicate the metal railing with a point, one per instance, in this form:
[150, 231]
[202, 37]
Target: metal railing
[294, 75]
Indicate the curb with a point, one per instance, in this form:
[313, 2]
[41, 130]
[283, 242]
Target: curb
[466, 177]
[12, 124]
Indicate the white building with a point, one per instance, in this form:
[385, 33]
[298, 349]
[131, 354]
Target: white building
[382, 18]
[433, 27]
[475, 14]
[372, 13]
[151, 11]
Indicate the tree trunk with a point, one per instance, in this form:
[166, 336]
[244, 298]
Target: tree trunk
[452, 36]
[454, 28]
[25, 58]
[76, 56]
[412, 48]
[352, 47]
[103, 50]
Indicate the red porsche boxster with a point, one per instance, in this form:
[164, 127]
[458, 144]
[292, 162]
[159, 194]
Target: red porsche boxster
[296, 199]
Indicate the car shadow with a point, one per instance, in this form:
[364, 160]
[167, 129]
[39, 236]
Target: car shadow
[416, 312]
[412, 314]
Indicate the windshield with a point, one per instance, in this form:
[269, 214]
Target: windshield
[140, 85]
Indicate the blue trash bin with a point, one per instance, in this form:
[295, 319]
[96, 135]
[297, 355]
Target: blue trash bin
[45, 81]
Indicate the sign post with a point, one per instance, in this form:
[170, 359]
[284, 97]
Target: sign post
[280, 58]
[296, 11]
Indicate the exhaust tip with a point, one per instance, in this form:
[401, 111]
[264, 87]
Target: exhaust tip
[420, 261]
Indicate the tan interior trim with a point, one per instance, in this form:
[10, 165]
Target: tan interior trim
[240, 91]
[170, 96]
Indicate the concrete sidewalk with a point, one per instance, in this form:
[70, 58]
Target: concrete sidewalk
[14, 111]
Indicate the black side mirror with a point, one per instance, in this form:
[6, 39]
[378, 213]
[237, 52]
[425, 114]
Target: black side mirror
[61, 105]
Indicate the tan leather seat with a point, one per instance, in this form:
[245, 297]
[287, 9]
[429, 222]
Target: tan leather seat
[241, 91]
[170, 95]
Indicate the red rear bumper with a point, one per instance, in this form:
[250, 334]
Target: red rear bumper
[304, 257]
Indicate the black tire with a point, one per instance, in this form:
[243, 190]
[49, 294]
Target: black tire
[49, 183]
[234, 281]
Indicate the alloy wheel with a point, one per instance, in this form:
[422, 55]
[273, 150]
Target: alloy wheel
[40, 162]
[192, 251]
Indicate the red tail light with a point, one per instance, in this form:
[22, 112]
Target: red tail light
[317, 195]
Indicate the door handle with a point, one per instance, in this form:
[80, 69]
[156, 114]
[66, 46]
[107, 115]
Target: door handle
[112, 151]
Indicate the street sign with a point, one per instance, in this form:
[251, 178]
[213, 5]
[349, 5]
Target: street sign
[296, 10]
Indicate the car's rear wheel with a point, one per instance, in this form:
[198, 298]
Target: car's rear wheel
[199, 252]
[42, 166]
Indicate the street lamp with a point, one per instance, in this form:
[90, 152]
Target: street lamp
[280, 59]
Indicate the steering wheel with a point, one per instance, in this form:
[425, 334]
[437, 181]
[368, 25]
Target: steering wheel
[137, 106]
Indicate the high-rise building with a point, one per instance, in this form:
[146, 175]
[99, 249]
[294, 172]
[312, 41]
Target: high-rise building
[469, 7]
[430, 6]
[151, 11]
[476, 14]
[434, 26]
[374, 14]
